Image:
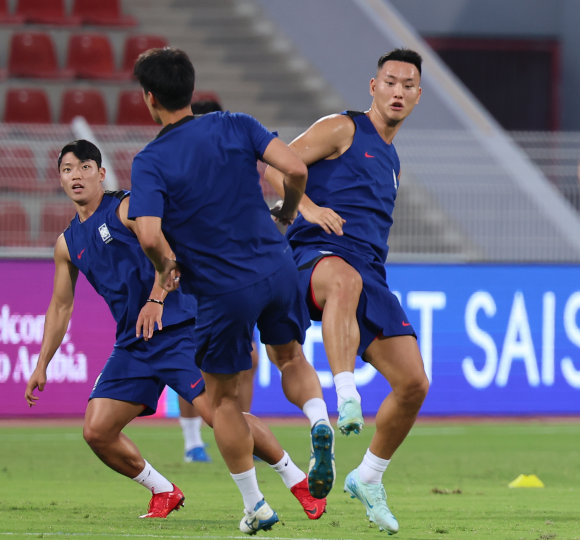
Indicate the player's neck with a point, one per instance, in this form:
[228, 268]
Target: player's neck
[172, 117]
[85, 211]
[384, 129]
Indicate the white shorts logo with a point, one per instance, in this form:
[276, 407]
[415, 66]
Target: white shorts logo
[326, 252]
[105, 234]
[97, 381]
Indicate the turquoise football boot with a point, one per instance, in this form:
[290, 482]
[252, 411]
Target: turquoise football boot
[374, 499]
[350, 418]
[262, 518]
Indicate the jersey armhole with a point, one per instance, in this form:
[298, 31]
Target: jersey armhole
[352, 115]
[121, 194]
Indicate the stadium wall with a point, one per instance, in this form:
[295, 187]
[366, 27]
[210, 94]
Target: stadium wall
[495, 340]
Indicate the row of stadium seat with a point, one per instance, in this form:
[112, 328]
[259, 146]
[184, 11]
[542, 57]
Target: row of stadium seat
[31, 105]
[15, 223]
[90, 56]
[52, 12]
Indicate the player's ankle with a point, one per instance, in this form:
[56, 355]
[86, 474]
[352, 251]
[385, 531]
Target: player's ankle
[315, 410]
[345, 387]
[154, 481]
[372, 468]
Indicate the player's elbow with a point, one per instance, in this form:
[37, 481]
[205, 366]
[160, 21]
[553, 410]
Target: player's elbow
[148, 241]
[297, 170]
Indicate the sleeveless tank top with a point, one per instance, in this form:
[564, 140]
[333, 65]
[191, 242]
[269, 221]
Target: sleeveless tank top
[360, 186]
[111, 258]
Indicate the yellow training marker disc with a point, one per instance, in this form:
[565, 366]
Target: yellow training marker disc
[529, 481]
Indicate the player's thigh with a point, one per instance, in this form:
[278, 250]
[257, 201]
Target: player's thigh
[221, 387]
[399, 360]
[334, 274]
[187, 409]
[106, 416]
[202, 407]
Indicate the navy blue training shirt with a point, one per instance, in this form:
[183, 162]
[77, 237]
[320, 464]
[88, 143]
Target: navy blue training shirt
[111, 258]
[199, 175]
[361, 187]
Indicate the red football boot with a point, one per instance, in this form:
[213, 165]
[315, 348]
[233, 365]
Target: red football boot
[162, 504]
[314, 508]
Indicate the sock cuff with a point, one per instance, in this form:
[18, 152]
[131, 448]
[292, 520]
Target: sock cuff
[144, 472]
[282, 463]
[375, 462]
[345, 377]
[244, 475]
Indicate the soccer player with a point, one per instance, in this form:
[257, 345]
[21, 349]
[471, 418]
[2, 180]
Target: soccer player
[198, 182]
[154, 346]
[340, 247]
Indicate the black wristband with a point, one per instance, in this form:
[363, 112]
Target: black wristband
[156, 301]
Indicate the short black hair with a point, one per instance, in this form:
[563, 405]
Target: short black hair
[205, 106]
[83, 150]
[401, 55]
[168, 74]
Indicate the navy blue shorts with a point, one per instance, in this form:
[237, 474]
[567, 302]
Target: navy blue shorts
[379, 312]
[225, 322]
[140, 371]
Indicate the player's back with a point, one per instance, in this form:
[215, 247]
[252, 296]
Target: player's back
[111, 258]
[203, 172]
[360, 186]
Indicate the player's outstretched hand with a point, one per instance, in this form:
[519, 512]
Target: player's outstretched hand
[37, 380]
[327, 218]
[280, 216]
[169, 278]
[150, 314]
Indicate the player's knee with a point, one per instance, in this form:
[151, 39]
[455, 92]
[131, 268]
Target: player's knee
[346, 283]
[95, 435]
[414, 391]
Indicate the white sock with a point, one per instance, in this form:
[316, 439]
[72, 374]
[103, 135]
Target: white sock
[291, 475]
[153, 481]
[315, 409]
[191, 428]
[345, 387]
[372, 468]
[248, 485]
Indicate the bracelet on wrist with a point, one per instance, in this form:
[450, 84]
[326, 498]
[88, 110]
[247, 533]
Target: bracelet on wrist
[160, 302]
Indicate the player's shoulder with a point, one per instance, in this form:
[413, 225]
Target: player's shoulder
[340, 122]
[61, 252]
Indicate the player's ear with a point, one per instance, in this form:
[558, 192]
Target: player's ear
[419, 92]
[102, 174]
[372, 86]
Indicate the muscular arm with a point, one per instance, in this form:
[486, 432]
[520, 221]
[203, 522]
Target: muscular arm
[293, 177]
[328, 138]
[151, 312]
[57, 316]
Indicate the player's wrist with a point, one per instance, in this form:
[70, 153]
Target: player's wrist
[156, 301]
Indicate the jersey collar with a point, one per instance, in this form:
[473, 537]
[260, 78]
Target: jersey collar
[169, 127]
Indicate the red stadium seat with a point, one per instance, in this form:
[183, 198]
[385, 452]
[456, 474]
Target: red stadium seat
[18, 171]
[14, 225]
[26, 105]
[32, 55]
[135, 45]
[132, 110]
[7, 18]
[89, 104]
[205, 95]
[90, 56]
[45, 12]
[102, 13]
[122, 162]
[55, 218]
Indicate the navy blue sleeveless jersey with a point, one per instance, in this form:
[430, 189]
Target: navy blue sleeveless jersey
[111, 258]
[199, 175]
[360, 186]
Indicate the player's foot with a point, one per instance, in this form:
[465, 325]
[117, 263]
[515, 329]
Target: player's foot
[321, 472]
[350, 418]
[196, 454]
[374, 498]
[162, 504]
[262, 518]
[314, 508]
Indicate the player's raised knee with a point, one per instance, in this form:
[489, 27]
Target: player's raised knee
[347, 281]
[414, 391]
[95, 435]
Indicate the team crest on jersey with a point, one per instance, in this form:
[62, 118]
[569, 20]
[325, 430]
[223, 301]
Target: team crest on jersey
[105, 234]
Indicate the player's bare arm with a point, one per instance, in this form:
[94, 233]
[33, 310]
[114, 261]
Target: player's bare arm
[153, 242]
[294, 174]
[152, 311]
[57, 317]
[328, 138]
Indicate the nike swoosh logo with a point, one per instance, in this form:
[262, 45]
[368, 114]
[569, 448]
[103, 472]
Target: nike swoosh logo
[368, 155]
[313, 512]
[81, 253]
[406, 323]
[193, 385]
[286, 464]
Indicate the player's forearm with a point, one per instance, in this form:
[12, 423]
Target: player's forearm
[55, 327]
[276, 179]
[157, 292]
[305, 203]
[294, 186]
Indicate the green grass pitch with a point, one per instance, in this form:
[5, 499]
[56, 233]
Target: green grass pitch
[51, 485]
